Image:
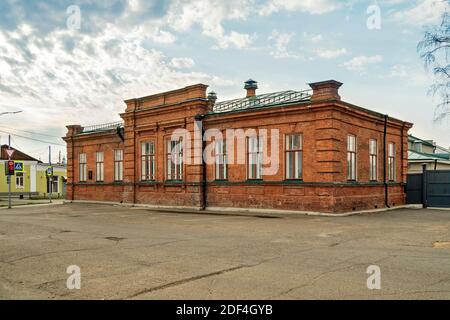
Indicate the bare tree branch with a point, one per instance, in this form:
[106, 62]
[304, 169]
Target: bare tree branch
[434, 49]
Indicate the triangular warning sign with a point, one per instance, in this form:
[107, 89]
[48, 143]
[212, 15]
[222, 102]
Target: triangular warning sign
[10, 152]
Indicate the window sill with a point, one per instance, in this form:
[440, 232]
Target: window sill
[148, 182]
[293, 181]
[255, 181]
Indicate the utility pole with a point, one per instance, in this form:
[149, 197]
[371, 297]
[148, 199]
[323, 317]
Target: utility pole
[50, 175]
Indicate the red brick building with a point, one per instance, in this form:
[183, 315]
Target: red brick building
[329, 155]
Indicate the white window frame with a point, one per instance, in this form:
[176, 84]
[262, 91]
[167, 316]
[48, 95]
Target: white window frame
[148, 161]
[352, 158]
[391, 162]
[82, 167]
[20, 179]
[373, 160]
[174, 159]
[118, 165]
[221, 160]
[293, 157]
[254, 158]
[99, 166]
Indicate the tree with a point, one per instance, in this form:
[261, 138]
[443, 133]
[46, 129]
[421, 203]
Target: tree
[434, 49]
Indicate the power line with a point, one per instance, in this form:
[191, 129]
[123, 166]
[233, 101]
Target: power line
[43, 141]
[41, 134]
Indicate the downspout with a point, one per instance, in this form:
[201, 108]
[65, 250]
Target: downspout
[73, 169]
[386, 192]
[134, 152]
[199, 118]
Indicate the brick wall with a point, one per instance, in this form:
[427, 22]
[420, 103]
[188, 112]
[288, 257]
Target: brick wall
[324, 124]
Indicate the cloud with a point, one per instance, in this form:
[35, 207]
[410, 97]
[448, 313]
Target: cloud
[313, 38]
[424, 12]
[87, 83]
[209, 15]
[309, 6]
[359, 63]
[161, 36]
[411, 74]
[331, 54]
[280, 45]
[181, 63]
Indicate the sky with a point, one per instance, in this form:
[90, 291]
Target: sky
[74, 62]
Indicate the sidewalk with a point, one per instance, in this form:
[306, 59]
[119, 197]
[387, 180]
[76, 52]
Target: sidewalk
[27, 202]
[263, 213]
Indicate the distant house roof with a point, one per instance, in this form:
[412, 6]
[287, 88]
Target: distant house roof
[18, 155]
[262, 100]
[416, 140]
[414, 156]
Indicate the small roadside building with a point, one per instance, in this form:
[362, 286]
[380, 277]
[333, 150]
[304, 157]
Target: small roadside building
[426, 152]
[305, 150]
[33, 181]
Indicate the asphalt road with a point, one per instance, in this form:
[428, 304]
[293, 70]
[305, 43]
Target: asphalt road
[134, 253]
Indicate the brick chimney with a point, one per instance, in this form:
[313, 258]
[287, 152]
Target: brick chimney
[212, 98]
[251, 86]
[325, 90]
[73, 130]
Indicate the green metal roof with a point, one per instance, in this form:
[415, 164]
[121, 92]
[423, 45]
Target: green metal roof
[262, 100]
[415, 139]
[419, 156]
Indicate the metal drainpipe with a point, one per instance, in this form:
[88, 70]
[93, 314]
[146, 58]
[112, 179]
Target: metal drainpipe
[200, 118]
[386, 194]
[134, 149]
[73, 169]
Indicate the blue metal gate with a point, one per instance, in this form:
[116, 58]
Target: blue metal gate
[438, 188]
[431, 188]
[414, 189]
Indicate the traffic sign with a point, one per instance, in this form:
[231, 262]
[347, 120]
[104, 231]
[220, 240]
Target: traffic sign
[18, 166]
[10, 153]
[49, 171]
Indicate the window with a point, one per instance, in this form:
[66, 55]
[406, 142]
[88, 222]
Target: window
[53, 185]
[351, 158]
[148, 161]
[391, 161]
[254, 158]
[19, 180]
[175, 159]
[99, 173]
[418, 146]
[293, 149]
[82, 167]
[373, 152]
[118, 165]
[221, 160]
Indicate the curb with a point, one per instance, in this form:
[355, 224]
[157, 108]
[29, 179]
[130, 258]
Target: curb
[32, 205]
[261, 213]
